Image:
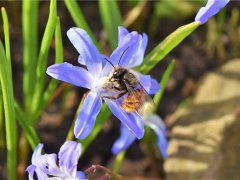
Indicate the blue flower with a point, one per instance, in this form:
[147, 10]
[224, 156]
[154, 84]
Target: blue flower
[212, 7]
[131, 47]
[127, 138]
[46, 167]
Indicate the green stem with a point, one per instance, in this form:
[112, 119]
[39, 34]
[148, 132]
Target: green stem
[163, 48]
[79, 19]
[53, 83]
[29, 131]
[30, 48]
[6, 38]
[42, 58]
[2, 137]
[118, 162]
[10, 123]
[163, 83]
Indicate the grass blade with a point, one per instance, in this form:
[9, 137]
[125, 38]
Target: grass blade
[163, 83]
[29, 131]
[118, 162]
[79, 18]
[30, 48]
[2, 132]
[58, 59]
[6, 38]
[170, 42]
[10, 123]
[135, 13]
[42, 59]
[111, 19]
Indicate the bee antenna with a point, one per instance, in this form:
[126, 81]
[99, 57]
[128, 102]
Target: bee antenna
[122, 55]
[110, 62]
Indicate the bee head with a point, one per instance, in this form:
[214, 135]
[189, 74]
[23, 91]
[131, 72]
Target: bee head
[118, 73]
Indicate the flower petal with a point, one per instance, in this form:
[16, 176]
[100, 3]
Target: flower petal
[212, 7]
[129, 45]
[122, 32]
[39, 162]
[52, 166]
[87, 115]
[31, 169]
[82, 61]
[156, 123]
[127, 48]
[137, 57]
[37, 152]
[80, 175]
[41, 174]
[71, 74]
[68, 157]
[132, 121]
[124, 141]
[149, 84]
[86, 48]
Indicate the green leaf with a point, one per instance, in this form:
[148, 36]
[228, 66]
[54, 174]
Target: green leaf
[30, 48]
[162, 49]
[6, 38]
[42, 59]
[2, 132]
[10, 123]
[79, 19]
[58, 59]
[118, 162]
[111, 19]
[163, 83]
[134, 13]
[29, 131]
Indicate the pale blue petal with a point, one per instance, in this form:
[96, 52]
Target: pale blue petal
[80, 175]
[52, 166]
[87, 115]
[122, 32]
[37, 153]
[31, 169]
[132, 49]
[82, 61]
[138, 56]
[158, 126]
[127, 44]
[212, 7]
[132, 121]
[86, 48]
[39, 163]
[71, 74]
[41, 174]
[149, 84]
[124, 141]
[68, 157]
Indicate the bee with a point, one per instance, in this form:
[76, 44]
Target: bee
[126, 82]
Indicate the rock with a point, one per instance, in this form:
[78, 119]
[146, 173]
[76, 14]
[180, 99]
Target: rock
[205, 134]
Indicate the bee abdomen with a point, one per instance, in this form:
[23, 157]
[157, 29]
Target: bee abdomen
[133, 101]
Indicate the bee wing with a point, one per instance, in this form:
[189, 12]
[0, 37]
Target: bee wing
[147, 106]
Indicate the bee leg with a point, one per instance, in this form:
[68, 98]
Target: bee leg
[117, 96]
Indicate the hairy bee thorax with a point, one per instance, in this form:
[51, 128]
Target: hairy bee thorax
[122, 76]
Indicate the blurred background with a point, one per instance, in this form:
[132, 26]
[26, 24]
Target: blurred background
[200, 105]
